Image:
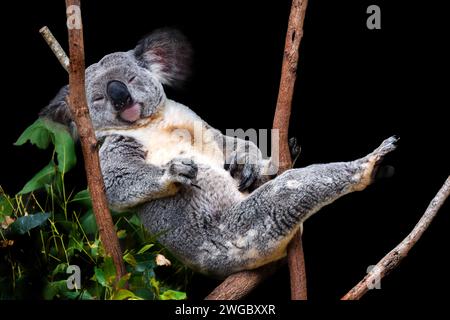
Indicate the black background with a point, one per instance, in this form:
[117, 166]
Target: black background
[355, 87]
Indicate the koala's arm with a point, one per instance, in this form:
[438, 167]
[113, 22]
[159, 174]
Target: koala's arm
[130, 181]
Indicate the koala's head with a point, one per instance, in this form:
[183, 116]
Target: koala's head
[124, 87]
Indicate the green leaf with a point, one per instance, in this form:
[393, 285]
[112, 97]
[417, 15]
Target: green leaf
[42, 178]
[123, 294]
[130, 259]
[173, 295]
[88, 223]
[145, 263]
[54, 288]
[24, 224]
[134, 220]
[109, 270]
[100, 277]
[60, 268]
[95, 248]
[65, 149]
[77, 295]
[122, 234]
[44, 131]
[145, 248]
[74, 245]
[145, 293]
[37, 134]
[83, 198]
[5, 206]
[155, 284]
[59, 289]
[123, 281]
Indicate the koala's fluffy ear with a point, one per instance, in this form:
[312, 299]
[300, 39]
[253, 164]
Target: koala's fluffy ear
[58, 110]
[167, 54]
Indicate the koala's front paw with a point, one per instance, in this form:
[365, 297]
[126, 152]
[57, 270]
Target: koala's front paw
[245, 167]
[183, 170]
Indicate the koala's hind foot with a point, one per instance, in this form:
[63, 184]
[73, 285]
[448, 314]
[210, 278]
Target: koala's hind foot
[371, 164]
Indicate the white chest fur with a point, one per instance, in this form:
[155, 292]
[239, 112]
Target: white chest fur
[177, 132]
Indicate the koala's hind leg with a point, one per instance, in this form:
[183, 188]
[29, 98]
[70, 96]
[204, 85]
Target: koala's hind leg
[264, 222]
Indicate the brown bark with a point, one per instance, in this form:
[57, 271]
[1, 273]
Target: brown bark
[297, 271]
[296, 260]
[393, 258]
[80, 112]
[239, 285]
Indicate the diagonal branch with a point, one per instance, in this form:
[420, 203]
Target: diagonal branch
[393, 258]
[239, 285]
[79, 109]
[55, 47]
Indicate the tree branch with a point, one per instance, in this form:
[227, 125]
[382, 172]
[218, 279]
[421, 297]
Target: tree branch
[239, 285]
[55, 46]
[296, 260]
[393, 258]
[79, 109]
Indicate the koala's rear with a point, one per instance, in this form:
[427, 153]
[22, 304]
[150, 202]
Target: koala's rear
[210, 197]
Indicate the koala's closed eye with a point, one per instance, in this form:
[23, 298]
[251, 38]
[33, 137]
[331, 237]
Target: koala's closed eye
[131, 79]
[98, 98]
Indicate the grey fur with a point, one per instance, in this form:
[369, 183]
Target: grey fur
[216, 221]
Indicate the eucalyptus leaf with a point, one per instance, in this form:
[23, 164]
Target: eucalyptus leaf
[24, 224]
[77, 295]
[5, 206]
[42, 178]
[109, 270]
[123, 294]
[145, 248]
[173, 295]
[145, 293]
[60, 268]
[44, 131]
[38, 134]
[123, 281]
[52, 289]
[88, 223]
[129, 258]
[83, 198]
[100, 277]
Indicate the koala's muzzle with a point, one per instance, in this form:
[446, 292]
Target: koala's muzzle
[118, 94]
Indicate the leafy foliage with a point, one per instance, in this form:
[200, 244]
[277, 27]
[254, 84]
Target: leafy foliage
[44, 230]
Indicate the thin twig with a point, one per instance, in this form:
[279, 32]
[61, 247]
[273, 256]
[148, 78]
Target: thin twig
[79, 109]
[393, 258]
[55, 46]
[238, 285]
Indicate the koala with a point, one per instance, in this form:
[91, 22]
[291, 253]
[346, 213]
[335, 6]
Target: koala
[211, 199]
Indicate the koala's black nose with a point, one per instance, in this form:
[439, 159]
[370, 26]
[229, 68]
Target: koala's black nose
[118, 93]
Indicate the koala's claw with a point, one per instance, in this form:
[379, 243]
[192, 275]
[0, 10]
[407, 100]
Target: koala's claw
[248, 177]
[183, 171]
[295, 149]
[242, 167]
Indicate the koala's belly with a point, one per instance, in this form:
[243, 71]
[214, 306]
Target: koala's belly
[191, 206]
